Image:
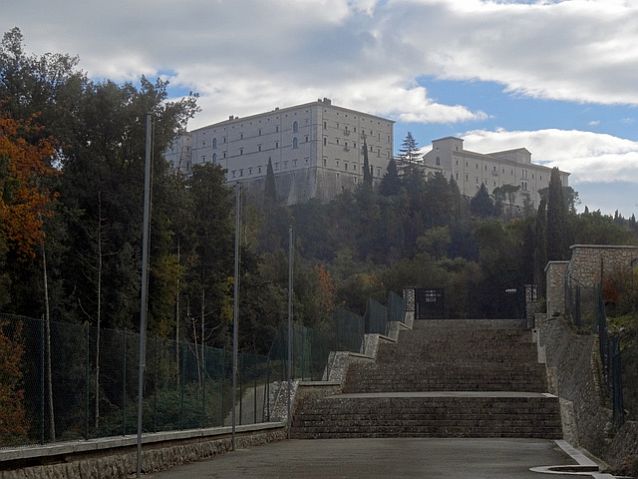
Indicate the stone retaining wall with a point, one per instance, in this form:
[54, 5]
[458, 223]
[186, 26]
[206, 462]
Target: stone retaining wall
[573, 372]
[589, 262]
[158, 457]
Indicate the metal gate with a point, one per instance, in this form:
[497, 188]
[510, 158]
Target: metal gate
[429, 303]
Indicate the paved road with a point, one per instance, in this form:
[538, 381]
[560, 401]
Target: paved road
[382, 458]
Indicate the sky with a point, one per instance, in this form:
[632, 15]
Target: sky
[559, 78]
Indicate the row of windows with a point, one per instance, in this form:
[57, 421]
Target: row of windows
[259, 170]
[295, 129]
[524, 184]
[524, 171]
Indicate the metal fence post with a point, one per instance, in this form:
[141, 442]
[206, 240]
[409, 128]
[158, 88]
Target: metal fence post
[42, 413]
[124, 348]
[87, 401]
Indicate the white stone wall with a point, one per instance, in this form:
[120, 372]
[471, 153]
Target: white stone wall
[317, 137]
[470, 169]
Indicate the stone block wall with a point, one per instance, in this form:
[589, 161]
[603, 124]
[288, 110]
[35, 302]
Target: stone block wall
[589, 262]
[555, 281]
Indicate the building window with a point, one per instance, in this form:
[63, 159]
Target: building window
[250, 171]
[224, 154]
[224, 140]
[294, 143]
[337, 141]
[258, 147]
[203, 158]
[295, 127]
[214, 142]
[259, 169]
[241, 136]
[241, 172]
[346, 145]
[325, 125]
[277, 129]
[345, 166]
[325, 141]
[214, 157]
[325, 162]
[234, 173]
[456, 175]
[294, 163]
[260, 132]
[438, 161]
[379, 153]
[241, 151]
[276, 144]
[306, 138]
[276, 165]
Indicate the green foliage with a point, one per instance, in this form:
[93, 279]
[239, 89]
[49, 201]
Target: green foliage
[390, 183]
[557, 227]
[481, 204]
[409, 151]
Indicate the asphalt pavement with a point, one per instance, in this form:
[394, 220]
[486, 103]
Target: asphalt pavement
[422, 458]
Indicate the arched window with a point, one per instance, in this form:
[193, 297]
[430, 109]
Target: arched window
[214, 157]
[295, 127]
[294, 142]
[438, 161]
[214, 142]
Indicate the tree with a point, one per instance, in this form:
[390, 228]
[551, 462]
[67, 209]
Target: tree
[14, 424]
[481, 204]
[409, 151]
[556, 219]
[367, 171]
[390, 183]
[540, 246]
[270, 192]
[23, 201]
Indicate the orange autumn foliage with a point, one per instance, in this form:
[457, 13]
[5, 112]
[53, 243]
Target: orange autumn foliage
[14, 424]
[23, 201]
[327, 289]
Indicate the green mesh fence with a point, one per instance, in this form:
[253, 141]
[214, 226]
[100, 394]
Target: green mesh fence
[396, 307]
[376, 317]
[185, 385]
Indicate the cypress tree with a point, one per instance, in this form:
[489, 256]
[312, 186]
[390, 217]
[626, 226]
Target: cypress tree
[270, 192]
[556, 219]
[390, 183]
[540, 246]
[367, 169]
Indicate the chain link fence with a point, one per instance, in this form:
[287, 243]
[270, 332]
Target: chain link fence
[62, 381]
[56, 387]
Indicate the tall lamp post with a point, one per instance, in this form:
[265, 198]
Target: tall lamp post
[146, 242]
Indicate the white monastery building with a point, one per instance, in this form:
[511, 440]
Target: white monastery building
[494, 170]
[315, 149]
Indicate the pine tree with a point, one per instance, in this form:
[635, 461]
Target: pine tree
[409, 151]
[271, 187]
[390, 183]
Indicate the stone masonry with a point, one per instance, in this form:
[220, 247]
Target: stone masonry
[446, 378]
[589, 262]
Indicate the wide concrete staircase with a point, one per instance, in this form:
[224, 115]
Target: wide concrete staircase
[445, 378]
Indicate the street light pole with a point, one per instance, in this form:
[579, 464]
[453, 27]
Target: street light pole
[290, 312]
[236, 308]
[146, 240]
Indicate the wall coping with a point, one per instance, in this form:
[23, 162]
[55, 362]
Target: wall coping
[603, 246]
[550, 263]
[100, 444]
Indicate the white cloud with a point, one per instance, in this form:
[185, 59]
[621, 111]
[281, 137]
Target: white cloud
[245, 56]
[589, 157]
[594, 123]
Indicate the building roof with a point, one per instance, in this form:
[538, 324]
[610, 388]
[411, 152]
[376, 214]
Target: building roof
[321, 103]
[448, 138]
